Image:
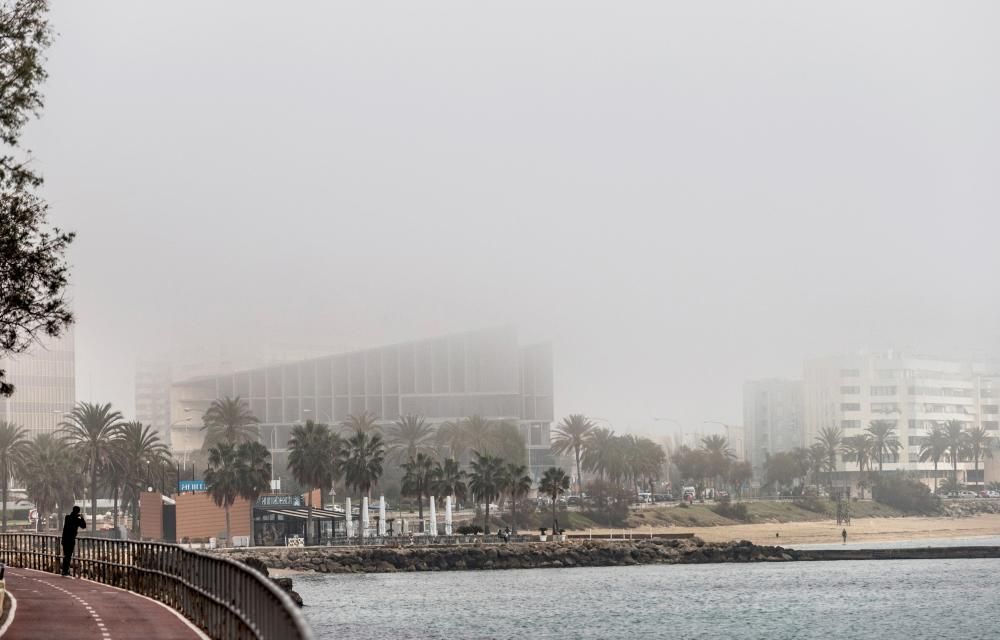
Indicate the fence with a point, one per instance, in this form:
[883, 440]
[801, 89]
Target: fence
[224, 598]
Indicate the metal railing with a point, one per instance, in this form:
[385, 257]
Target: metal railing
[224, 598]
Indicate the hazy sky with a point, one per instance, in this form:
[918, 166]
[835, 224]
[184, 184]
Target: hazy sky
[679, 195]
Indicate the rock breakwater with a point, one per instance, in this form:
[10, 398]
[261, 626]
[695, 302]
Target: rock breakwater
[594, 553]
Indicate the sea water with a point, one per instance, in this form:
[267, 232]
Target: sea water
[881, 600]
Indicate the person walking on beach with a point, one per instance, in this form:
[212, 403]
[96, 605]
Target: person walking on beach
[73, 522]
[844, 535]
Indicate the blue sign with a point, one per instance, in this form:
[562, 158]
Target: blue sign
[191, 485]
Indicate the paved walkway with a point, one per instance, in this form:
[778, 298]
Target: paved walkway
[50, 606]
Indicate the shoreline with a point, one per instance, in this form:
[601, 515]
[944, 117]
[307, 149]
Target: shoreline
[860, 530]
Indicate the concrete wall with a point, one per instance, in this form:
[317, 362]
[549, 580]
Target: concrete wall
[198, 517]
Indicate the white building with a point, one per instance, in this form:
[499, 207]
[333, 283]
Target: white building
[912, 393]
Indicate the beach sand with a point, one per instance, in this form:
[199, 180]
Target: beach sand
[828, 531]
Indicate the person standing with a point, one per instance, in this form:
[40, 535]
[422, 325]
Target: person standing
[73, 523]
[844, 535]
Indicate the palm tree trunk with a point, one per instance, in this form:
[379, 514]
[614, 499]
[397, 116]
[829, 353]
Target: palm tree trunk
[554, 528]
[114, 513]
[309, 517]
[228, 536]
[486, 519]
[975, 459]
[935, 477]
[93, 493]
[420, 509]
[513, 514]
[579, 477]
[954, 467]
[4, 497]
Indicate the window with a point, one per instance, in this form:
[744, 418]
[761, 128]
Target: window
[914, 441]
[885, 407]
[850, 391]
[991, 425]
[991, 408]
[884, 391]
[849, 373]
[850, 406]
[988, 393]
[850, 424]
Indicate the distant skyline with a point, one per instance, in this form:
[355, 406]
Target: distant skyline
[679, 196]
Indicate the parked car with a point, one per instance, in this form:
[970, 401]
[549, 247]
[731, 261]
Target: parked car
[989, 494]
[966, 494]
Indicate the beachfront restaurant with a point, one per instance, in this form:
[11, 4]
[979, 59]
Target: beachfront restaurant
[277, 519]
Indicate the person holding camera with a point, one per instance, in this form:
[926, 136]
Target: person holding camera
[73, 523]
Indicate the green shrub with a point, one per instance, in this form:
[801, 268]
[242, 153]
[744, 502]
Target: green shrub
[812, 503]
[469, 530]
[905, 494]
[733, 511]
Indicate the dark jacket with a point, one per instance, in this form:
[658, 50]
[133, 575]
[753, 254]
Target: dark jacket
[70, 526]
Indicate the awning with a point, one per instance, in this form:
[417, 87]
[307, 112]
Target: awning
[302, 513]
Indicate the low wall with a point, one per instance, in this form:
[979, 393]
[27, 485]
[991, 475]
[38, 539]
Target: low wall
[591, 553]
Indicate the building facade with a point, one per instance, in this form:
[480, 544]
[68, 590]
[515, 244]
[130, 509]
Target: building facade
[911, 393]
[485, 373]
[772, 417]
[45, 385]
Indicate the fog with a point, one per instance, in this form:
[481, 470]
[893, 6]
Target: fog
[677, 195]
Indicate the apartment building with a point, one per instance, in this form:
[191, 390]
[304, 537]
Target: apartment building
[910, 392]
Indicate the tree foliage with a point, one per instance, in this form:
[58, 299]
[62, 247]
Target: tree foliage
[33, 273]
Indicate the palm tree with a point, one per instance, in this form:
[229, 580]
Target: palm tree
[229, 420]
[50, 474]
[979, 443]
[256, 460]
[365, 422]
[137, 452]
[449, 480]
[831, 438]
[571, 435]
[958, 441]
[365, 454]
[486, 482]
[598, 451]
[417, 479]
[719, 455]
[885, 444]
[933, 448]
[91, 431]
[236, 472]
[312, 460]
[480, 433]
[517, 484]
[554, 482]
[451, 436]
[13, 445]
[408, 436]
[859, 448]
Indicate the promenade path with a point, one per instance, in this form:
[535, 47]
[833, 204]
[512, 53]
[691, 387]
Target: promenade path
[50, 606]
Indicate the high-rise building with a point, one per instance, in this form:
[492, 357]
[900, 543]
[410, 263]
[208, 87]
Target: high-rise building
[45, 385]
[912, 394]
[485, 373]
[772, 417]
[152, 394]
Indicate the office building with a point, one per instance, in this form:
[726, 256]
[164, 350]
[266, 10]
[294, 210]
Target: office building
[45, 385]
[486, 373]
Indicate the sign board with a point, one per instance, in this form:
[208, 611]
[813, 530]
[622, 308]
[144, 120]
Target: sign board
[191, 485]
[296, 541]
[279, 501]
